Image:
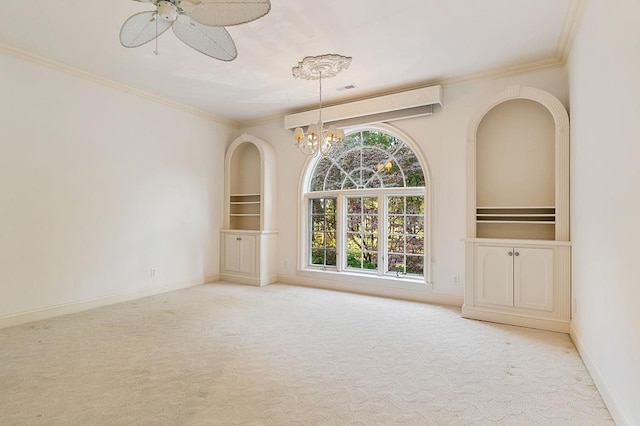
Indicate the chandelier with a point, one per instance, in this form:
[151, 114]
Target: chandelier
[317, 139]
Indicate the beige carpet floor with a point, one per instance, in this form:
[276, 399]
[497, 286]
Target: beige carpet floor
[281, 355]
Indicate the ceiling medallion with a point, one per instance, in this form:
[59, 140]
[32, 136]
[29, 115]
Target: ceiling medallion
[326, 66]
[317, 139]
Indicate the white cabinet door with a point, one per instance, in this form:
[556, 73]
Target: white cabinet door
[247, 254]
[240, 253]
[533, 278]
[494, 275]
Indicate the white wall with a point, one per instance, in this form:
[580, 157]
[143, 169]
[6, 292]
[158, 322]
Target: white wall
[604, 70]
[442, 139]
[98, 186]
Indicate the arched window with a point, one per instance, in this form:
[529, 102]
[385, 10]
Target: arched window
[367, 208]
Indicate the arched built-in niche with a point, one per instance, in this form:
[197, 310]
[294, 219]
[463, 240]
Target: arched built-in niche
[248, 238]
[250, 188]
[518, 254]
[518, 167]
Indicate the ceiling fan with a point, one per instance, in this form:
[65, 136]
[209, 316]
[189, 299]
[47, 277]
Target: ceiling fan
[198, 23]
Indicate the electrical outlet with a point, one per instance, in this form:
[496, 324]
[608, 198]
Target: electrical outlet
[286, 265]
[456, 279]
[152, 273]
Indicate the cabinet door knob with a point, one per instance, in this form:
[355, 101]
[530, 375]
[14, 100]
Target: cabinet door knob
[517, 254]
[239, 239]
[510, 253]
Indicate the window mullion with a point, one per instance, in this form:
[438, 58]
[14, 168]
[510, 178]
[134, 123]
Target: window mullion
[341, 233]
[382, 234]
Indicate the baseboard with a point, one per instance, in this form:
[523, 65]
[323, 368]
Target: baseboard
[373, 290]
[83, 305]
[473, 312]
[617, 412]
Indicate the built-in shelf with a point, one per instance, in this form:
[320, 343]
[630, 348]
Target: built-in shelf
[518, 254]
[544, 215]
[248, 238]
[244, 210]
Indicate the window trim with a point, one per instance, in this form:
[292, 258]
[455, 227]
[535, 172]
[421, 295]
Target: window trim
[303, 245]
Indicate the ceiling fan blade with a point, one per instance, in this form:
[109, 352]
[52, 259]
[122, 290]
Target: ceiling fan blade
[212, 41]
[141, 28]
[224, 13]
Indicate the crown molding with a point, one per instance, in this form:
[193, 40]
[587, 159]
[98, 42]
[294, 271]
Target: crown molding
[570, 29]
[245, 124]
[76, 72]
[501, 72]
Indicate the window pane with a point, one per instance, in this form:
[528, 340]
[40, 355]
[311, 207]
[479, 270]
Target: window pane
[317, 256]
[354, 205]
[395, 244]
[415, 244]
[354, 259]
[333, 179]
[405, 241]
[322, 231]
[396, 263]
[415, 265]
[415, 225]
[370, 159]
[317, 239]
[331, 257]
[370, 260]
[370, 204]
[354, 224]
[396, 205]
[370, 242]
[370, 223]
[415, 205]
[317, 206]
[330, 240]
[318, 223]
[396, 224]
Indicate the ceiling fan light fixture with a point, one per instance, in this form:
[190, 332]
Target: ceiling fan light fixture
[200, 24]
[167, 11]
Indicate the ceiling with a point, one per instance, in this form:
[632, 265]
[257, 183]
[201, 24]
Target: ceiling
[395, 45]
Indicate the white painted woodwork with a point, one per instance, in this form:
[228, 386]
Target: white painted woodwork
[515, 276]
[515, 156]
[518, 203]
[382, 104]
[250, 210]
[494, 276]
[530, 288]
[240, 253]
[533, 278]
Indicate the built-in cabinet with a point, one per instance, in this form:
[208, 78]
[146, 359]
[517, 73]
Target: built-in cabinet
[517, 245]
[240, 253]
[248, 238]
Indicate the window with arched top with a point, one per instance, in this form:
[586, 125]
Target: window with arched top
[366, 208]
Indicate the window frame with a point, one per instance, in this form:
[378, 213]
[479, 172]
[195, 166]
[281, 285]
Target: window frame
[304, 243]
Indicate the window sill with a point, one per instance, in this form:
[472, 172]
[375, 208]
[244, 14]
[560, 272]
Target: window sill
[348, 278]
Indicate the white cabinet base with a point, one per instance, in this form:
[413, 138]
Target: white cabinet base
[518, 282]
[514, 318]
[249, 257]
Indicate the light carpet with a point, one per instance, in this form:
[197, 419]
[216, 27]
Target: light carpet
[281, 355]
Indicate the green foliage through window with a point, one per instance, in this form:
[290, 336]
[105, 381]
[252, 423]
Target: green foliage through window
[323, 231]
[368, 159]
